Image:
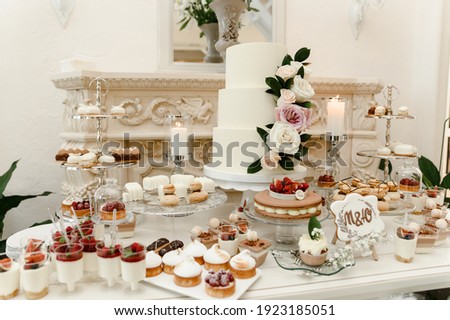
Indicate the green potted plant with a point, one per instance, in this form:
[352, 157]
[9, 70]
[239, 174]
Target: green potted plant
[9, 202]
[431, 177]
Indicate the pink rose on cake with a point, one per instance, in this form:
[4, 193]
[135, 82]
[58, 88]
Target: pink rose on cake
[302, 89]
[286, 72]
[284, 138]
[287, 97]
[270, 160]
[296, 116]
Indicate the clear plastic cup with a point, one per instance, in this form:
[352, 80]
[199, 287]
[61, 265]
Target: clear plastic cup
[9, 277]
[405, 243]
[108, 261]
[69, 264]
[34, 273]
[132, 262]
[228, 238]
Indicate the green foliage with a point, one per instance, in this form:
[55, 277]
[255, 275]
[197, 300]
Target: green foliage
[254, 167]
[313, 224]
[430, 173]
[9, 202]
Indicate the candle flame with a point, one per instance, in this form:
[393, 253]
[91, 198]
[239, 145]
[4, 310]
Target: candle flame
[178, 124]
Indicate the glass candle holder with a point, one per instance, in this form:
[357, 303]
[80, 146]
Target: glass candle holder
[178, 129]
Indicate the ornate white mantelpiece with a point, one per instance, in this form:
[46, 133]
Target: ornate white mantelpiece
[147, 98]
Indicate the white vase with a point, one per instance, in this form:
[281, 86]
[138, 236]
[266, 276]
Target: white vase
[228, 13]
[211, 31]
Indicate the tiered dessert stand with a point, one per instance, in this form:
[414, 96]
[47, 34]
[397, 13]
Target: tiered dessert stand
[388, 93]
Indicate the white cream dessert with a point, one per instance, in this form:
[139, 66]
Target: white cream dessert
[108, 262]
[403, 111]
[153, 264]
[152, 183]
[34, 274]
[405, 241]
[380, 111]
[88, 159]
[405, 150]
[74, 159]
[171, 259]
[69, 264]
[383, 151]
[243, 265]
[9, 278]
[214, 223]
[215, 258]
[88, 109]
[313, 246]
[258, 248]
[228, 238]
[185, 179]
[181, 190]
[187, 273]
[135, 191]
[106, 159]
[196, 249]
[208, 185]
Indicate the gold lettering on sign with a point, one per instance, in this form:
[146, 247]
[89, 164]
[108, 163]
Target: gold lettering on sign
[358, 218]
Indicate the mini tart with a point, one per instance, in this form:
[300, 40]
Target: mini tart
[295, 209]
[196, 249]
[409, 188]
[171, 259]
[187, 273]
[216, 259]
[109, 215]
[153, 264]
[243, 266]
[220, 291]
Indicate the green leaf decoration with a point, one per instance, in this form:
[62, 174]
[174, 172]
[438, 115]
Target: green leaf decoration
[286, 163]
[306, 104]
[445, 183]
[302, 54]
[313, 224]
[270, 91]
[254, 167]
[281, 81]
[382, 164]
[3, 245]
[305, 137]
[269, 126]
[274, 85]
[289, 83]
[262, 133]
[4, 179]
[301, 72]
[302, 151]
[431, 176]
[287, 60]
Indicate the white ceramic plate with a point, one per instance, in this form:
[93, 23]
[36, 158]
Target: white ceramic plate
[41, 232]
[165, 281]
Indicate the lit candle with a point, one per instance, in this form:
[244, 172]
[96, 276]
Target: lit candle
[179, 139]
[336, 117]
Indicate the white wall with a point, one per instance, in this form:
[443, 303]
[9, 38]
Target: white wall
[399, 44]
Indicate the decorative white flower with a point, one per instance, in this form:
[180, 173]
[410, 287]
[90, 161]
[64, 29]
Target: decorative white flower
[270, 160]
[286, 97]
[307, 69]
[302, 89]
[286, 72]
[283, 138]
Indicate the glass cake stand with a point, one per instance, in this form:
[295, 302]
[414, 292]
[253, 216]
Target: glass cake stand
[285, 237]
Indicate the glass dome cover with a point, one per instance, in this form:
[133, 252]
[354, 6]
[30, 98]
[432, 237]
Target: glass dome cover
[409, 178]
[109, 203]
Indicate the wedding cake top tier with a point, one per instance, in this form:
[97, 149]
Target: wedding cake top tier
[248, 64]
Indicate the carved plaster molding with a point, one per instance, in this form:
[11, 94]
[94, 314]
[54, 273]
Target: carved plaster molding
[342, 86]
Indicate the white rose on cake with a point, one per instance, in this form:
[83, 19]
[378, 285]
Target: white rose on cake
[302, 89]
[307, 69]
[286, 72]
[287, 97]
[283, 138]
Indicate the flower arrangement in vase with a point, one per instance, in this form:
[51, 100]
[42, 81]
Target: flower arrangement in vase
[284, 138]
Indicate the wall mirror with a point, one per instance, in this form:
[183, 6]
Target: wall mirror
[183, 50]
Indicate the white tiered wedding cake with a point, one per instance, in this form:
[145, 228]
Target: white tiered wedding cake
[243, 106]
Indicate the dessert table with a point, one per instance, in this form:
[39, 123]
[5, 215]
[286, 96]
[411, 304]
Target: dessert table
[368, 279]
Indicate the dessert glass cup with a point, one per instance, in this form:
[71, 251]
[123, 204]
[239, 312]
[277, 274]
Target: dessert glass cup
[405, 249]
[108, 261]
[228, 238]
[133, 266]
[69, 264]
[243, 226]
[437, 194]
[9, 279]
[89, 253]
[34, 274]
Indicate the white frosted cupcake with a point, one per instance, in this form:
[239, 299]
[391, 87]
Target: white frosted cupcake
[216, 258]
[153, 264]
[171, 259]
[313, 246]
[188, 273]
[196, 249]
[242, 265]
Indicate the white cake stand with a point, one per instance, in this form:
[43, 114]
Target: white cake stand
[284, 236]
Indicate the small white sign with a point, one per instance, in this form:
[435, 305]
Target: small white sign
[356, 217]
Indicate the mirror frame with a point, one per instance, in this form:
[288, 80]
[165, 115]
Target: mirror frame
[165, 52]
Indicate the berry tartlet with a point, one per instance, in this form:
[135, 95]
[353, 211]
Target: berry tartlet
[220, 284]
[107, 210]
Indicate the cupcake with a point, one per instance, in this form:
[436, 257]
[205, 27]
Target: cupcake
[187, 273]
[313, 246]
[258, 248]
[153, 264]
[196, 249]
[243, 266]
[216, 258]
[171, 259]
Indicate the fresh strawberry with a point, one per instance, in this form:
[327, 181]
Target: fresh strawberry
[5, 263]
[33, 260]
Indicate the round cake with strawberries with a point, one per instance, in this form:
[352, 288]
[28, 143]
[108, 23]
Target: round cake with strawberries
[288, 199]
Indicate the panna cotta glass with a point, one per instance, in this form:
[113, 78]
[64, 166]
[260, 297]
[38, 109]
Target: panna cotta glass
[86, 237]
[108, 261]
[405, 244]
[34, 274]
[132, 262]
[69, 264]
[9, 277]
[228, 239]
